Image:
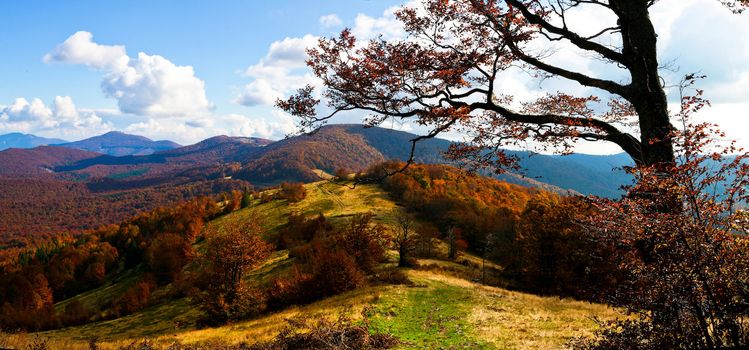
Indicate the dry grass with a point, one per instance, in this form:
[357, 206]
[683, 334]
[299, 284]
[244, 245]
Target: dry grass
[466, 314]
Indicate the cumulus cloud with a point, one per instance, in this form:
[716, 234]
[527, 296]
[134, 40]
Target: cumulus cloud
[331, 21]
[191, 131]
[79, 48]
[149, 85]
[280, 72]
[62, 118]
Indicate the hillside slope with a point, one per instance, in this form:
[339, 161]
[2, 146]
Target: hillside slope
[39, 160]
[354, 147]
[443, 308]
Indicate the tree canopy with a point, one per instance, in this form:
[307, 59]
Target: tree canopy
[443, 75]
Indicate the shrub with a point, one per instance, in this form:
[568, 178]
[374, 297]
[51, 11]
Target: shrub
[363, 240]
[334, 272]
[326, 273]
[134, 298]
[392, 276]
[342, 174]
[231, 251]
[167, 255]
[553, 254]
[266, 197]
[301, 230]
[242, 302]
[323, 334]
[292, 192]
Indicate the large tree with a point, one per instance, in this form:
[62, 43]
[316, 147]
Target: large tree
[443, 75]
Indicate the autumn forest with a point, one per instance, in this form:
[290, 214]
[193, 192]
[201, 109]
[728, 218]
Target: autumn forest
[428, 174]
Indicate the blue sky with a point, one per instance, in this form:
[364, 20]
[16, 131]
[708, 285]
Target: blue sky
[217, 38]
[74, 69]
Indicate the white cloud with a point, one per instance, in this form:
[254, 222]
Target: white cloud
[330, 21]
[61, 119]
[191, 131]
[279, 126]
[280, 72]
[148, 85]
[80, 49]
[387, 25]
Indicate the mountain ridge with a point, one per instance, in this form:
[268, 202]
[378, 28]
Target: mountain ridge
[21, 140]
[117, 143]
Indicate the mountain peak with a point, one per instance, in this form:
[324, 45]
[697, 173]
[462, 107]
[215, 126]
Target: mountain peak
[117, 143]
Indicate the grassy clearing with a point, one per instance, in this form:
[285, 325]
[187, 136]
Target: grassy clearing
[335, 201]
[452, 313]
[439, 311]
[429, 315]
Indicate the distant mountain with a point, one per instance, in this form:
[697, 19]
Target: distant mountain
[86, 189]
[220, 148]
[19, 140]
[212, 152]
[119, 144]
[355, 147]
[295, 158]
[264, 163]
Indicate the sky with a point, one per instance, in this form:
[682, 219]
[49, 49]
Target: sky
[187, 70]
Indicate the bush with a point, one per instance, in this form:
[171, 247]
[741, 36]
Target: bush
[363, 240]
[392, 276]
[75, 314]
[323, 334]
[553, 254]
[230, 252]
[342, 174]
[301, 230]
[134, 298]
[240, 303]
[326, 273]
[167, 255]
[292, 192]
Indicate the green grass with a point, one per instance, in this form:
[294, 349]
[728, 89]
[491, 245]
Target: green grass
[337, 202]
[429, 316]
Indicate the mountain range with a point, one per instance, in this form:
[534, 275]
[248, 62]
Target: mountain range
[108, 178]
[19, 140]
[265, 162]
[113, 143]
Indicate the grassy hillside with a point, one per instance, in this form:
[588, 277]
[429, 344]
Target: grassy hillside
[443, 308]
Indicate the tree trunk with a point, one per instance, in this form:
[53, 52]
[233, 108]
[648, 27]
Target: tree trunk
[402, 258]
[639, 46]
[648, 97]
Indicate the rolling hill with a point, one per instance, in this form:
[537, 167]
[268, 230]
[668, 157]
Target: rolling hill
[355, 147]
[443, 306]
[93, 182]
[39, 160]
[19, 140]
[347, 146]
